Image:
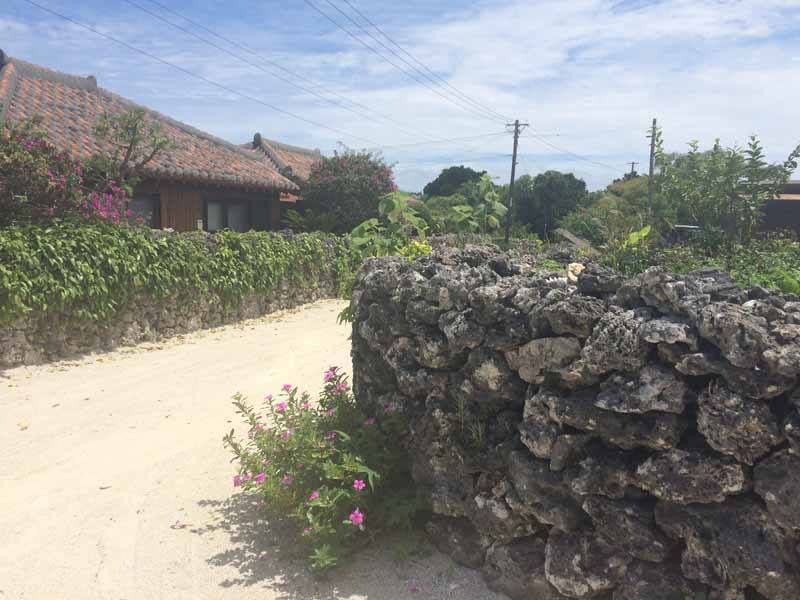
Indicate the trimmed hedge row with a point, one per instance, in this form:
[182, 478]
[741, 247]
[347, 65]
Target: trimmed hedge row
[89, 270]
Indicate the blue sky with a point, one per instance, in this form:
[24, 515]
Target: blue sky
[589, 75]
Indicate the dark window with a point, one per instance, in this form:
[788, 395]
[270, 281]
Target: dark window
[144, 210]
[234, 215]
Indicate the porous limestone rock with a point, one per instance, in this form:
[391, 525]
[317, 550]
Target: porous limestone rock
[742, 428]
[688, 477]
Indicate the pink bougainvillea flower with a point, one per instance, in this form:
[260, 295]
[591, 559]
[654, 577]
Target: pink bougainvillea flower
[329, 412]
[305, 406]
[330, 374]
[237, 480]
[314, 495]
[247, 477]
[261, 477]
[287, 479]
[370, 421]
[356, 517]
[359, 484]
[342, 387]
[286, 435]
[331, 435]
[287, 387]
[307, 530]
[280, 406]
[268, 398]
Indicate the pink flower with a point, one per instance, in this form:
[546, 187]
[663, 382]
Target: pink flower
[287, 387]
[314, 495]
[305, 406]
[287, 480]
[331, 435]
[387, 408]
[370, 421]
[330, 374]
[356, 517]
[329, 412]
[280, 406]
[342, 387]
[359, 484]
[247, 477]
[307, 530]
[268, 398]
[261, 477]
[237, 481]
[286, 435]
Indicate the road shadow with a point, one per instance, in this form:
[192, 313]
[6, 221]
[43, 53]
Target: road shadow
[263, 557]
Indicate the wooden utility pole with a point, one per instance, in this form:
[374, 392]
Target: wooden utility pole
[510, 204]
[633, 168]
[652, 166]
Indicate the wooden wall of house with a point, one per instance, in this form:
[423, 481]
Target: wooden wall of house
[182, 205]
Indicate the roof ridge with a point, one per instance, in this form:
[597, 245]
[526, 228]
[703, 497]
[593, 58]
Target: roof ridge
[29, 69]
[290, 147]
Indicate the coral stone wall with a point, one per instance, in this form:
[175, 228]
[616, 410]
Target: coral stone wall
[611, 439]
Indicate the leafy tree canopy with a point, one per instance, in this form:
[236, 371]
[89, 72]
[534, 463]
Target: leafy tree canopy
[541, 201]
[349, 186]
[450, 180]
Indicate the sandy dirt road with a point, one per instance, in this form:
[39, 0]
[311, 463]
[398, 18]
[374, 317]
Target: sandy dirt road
[114, 483]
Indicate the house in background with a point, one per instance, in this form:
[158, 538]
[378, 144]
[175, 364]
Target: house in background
[292, 162]
[784, 211]
[202, 183]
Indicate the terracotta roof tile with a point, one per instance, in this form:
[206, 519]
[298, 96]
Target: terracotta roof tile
[69, 107]
[289, 160]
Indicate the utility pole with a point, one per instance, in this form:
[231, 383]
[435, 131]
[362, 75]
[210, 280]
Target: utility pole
[652, 166]
[633, 168]
[510, 204]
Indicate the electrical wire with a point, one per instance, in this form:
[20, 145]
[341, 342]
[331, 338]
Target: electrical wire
[441, 79]
[394, 64]
[272, 63]
[461, 139]
[195, 75]
[563, 150]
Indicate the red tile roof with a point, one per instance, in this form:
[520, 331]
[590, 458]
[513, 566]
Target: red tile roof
[69, 107]
[289, 160]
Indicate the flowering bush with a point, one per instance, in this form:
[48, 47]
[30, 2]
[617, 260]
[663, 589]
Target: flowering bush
[40, 183]
[331, 470]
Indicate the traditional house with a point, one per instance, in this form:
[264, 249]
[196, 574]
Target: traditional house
[202, 183]
[292, 162]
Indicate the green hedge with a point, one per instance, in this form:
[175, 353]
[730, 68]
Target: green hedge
[87, 271]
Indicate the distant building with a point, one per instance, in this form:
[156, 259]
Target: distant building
[203, 183]
[784, 211]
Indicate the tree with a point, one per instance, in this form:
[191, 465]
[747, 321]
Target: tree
[135, 139]
[450, 181]
[349, 186]
[541, 201]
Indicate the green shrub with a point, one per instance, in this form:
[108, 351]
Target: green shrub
[89, 270]
[330, 471]
[773, 262]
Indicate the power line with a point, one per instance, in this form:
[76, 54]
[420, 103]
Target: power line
[479, 112]
[195, 75]
[394, 64]
[543, 140]
[270, 62]
[433, 143]
[458, 92]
